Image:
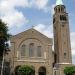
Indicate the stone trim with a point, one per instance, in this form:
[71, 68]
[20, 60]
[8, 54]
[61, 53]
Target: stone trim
[32, 61]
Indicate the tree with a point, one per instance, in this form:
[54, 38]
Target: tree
[26, 70]
[4, 37]
[69, 70]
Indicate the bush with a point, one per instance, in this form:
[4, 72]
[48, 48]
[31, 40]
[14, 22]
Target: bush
[69, 70]
[25, 70]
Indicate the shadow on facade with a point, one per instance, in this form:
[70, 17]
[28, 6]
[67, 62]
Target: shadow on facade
[6, 68]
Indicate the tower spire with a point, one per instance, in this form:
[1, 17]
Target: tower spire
[59, 2]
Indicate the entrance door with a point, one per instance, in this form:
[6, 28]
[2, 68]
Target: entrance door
[42, 71]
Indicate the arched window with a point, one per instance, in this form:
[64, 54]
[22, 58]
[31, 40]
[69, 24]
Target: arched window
[65, 55]
[39, 51]
[23, 50]
[31, 50]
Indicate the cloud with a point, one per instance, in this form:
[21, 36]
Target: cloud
[52, 9]
[10, 15]
[8, 6]
[15, 19]
[40, 4]
[73, 57]
[73, 46]
[73, 42]
[45, 29]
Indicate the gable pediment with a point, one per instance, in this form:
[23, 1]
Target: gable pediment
[32, 33]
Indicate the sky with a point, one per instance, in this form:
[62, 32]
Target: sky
[21, 15]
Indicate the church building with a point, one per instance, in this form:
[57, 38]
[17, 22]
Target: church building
[35, 49]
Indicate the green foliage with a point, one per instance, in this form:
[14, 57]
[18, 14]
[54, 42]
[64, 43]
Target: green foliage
[4, 37]
[69, 70]
[25, 70]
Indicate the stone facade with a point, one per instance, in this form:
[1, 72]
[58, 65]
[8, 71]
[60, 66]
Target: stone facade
[62, 45]
[51, 62]
[27, 37]
[61, 35]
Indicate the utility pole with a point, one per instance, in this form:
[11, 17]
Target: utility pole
[2, 63]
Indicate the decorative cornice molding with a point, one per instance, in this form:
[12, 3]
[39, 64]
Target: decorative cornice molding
[42, 61]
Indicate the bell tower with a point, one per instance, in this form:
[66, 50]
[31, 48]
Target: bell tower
[62, 45]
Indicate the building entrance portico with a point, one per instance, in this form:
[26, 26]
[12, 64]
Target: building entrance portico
[40, 71]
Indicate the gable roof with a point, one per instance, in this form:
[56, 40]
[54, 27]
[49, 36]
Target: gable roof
[31, 31]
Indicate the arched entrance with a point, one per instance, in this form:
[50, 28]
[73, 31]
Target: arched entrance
[42, 71]
[16, 70]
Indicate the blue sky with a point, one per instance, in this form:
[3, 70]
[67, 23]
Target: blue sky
[21, 15]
